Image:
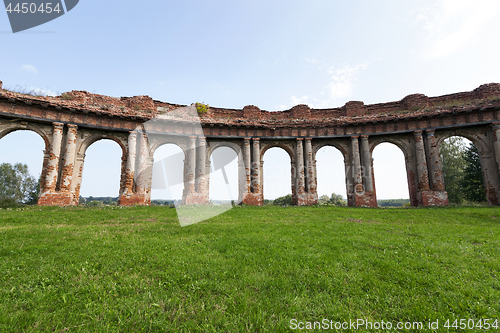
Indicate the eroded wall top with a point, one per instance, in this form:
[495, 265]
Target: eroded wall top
[142, 108]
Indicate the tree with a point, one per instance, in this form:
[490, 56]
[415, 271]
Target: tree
[333, 200]
[472, 181]
[283, 201]
[17, 184]
[323, 200]
[337, 200]
[33, 195]
[452, 157]
[463, 178]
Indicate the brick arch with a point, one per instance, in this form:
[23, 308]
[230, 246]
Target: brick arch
[19, 127]
[485, 157]
[159, 144]
[475, 138]
[86, 143]
[213, 145]
[268, 146]
[346, 160]
[101, 117]
[330, 144]
[291, 154]
[398, 142]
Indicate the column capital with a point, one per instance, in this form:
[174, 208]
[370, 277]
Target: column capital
[58, 125]
[247, 139]
[308, 139]
[364, 137]
[417, 132]
[429, 132]
[72, 126]
[300, 139]
[255, 139]
[354, 137]
[495, 125]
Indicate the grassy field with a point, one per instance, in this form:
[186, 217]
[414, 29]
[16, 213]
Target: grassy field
[251, 269]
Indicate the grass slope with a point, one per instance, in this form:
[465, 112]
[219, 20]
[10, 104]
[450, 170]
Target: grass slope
[252, 269]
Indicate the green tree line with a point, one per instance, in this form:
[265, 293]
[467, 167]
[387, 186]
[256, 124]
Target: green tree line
[17, 185]
[463, 178]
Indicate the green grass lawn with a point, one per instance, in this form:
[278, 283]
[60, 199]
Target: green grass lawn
[251, 269]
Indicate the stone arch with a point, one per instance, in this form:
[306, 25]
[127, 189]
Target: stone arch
[236, 147]
[291, 155]
[470, 135]
[282, 145]
[479, 138]
[156, 167]
[333, 144]
[10, 128]
[327, 175]
[157, 143]
[87, 142]
[401, 143]
[407, 167]
[81, 150]
[213, 145]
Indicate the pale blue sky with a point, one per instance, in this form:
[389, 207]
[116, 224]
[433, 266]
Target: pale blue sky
[273, 54]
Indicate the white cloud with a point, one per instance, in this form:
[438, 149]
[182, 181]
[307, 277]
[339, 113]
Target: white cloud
[342, 80]
[451, 25]
[339, 86]
[43, 92]
[29, 69]
[299, 100]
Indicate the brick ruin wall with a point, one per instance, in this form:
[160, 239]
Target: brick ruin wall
[139, 108]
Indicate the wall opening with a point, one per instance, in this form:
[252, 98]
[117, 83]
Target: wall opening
[167, 183]
[101, 172]
[25, 147]
[463, 177]
[391, 182]
[223, 176]
[276, 173]
[330, 173]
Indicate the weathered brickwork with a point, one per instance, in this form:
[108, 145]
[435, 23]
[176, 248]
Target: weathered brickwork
[417, 124]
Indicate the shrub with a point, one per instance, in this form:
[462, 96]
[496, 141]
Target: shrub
[202, 108]
[283, 201]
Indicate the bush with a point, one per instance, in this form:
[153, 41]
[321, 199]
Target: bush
[202, 108]
[283, 201]
[8, 203]
[333, 200]
[17, 184]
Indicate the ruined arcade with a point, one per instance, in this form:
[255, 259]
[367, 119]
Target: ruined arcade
[417, 124]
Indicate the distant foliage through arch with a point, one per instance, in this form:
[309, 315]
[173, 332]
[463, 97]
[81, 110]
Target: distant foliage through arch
[463, 177]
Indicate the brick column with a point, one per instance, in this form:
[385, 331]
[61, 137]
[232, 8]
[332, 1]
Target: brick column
[435, 168]
[310, 166]
[200, 165]
[54, 155]
[356, 161]
[247, 160]
[300, 167]
[191, 165]
[422, 174]
[69, 158]
[142, 164]
[496, 143]
[367, 164]
[130, 169]
[256, 166]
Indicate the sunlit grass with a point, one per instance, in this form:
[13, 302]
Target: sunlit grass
[251, 269]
